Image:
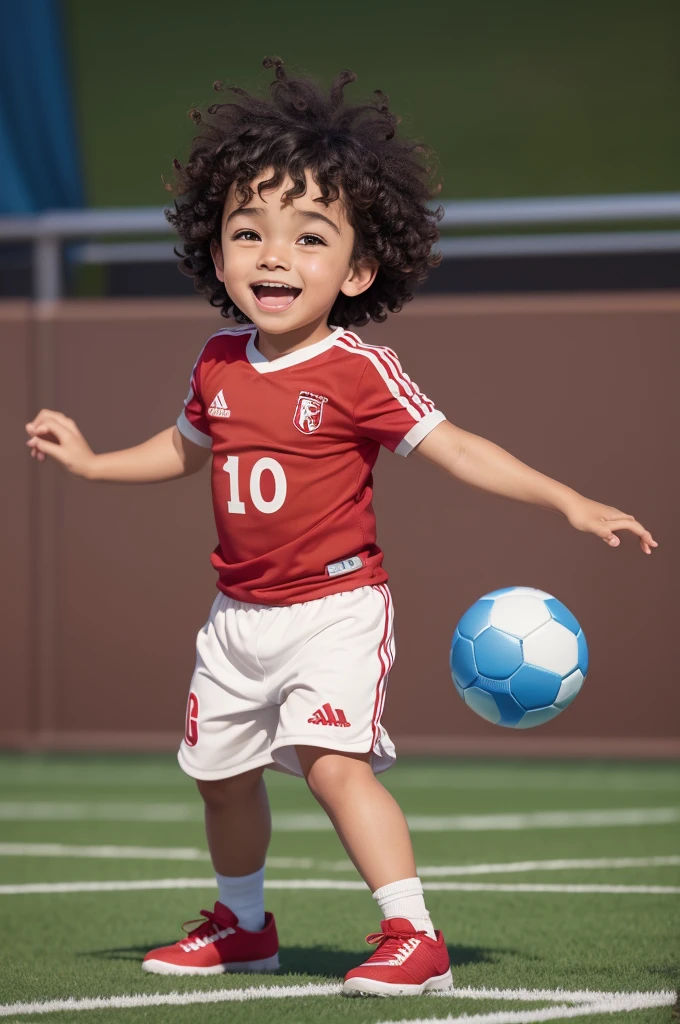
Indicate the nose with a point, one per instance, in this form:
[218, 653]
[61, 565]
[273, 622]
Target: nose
[274, 258]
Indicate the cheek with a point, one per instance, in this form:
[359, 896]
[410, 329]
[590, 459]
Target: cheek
[238, 263]
[322, 268]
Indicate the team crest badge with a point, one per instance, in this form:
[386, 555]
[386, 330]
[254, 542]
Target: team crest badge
[308, 412]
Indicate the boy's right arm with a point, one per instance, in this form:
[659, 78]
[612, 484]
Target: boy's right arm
[164, 457]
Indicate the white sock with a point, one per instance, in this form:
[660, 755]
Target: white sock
[244, 895]
[405, 899]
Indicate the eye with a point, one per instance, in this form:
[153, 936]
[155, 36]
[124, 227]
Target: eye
[246, 235]
[311, 240]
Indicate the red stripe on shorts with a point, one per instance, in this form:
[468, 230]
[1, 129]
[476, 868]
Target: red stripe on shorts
[384, 667]
[388, 652]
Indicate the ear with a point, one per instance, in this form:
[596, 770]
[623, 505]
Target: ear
[360, 278]
[218, 259]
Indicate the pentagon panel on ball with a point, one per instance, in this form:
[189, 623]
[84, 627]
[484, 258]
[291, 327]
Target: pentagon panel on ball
[518, 657]
[463, 667]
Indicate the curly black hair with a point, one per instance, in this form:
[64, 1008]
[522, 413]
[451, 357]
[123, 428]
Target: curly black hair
[351, 151]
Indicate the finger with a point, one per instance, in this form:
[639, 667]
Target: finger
[647, 542]
[605, 531]
[51, 416]
[38, 424]
[35, 419]
[638, 529]
[55, 417]
[57, 451]
[624, 524]
[32, 444]
[54, 427]
[615, 513]
[38, 418]
[52, 412]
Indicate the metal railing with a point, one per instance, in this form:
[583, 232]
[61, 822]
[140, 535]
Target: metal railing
[49, 231]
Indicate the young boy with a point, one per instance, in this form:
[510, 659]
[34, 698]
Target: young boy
[301, 217]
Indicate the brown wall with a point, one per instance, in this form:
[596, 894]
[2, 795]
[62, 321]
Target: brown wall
[103, 587]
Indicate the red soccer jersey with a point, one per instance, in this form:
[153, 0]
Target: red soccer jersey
[294, 442]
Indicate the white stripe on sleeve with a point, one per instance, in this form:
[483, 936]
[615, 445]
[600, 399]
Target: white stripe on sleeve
[419, 431]
[191, 433]
[387, 375]
[407, 384]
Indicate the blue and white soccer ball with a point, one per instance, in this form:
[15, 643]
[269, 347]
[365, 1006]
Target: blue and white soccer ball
[518, 657]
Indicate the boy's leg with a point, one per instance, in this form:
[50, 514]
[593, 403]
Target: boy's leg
[230, 724]
[238, 829]
[372, 828]
[237, 935]
[237, 822]
[411, 958]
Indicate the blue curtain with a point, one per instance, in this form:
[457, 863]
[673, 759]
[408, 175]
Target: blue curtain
[39, 155]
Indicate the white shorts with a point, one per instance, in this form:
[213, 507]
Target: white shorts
[268, 678]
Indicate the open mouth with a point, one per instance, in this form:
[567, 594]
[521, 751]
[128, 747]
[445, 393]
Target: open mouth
[273, 296]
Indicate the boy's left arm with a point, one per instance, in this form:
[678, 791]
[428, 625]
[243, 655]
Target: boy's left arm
[480, 463]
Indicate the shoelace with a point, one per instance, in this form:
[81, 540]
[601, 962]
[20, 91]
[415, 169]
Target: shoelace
[388, 943]
[206, 919]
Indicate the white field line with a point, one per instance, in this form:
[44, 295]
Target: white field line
[625, 1000]
[189, 853]
[565, 888]
[184, 853]
[109, 852]
[564, 780]
[620, 1002]
[318, 822]
[544, 819]
[575, 864]
[228, 995]
[324, 884]
[59, 810]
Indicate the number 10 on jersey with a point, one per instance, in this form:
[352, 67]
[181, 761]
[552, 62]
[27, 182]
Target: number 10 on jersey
[264, 465]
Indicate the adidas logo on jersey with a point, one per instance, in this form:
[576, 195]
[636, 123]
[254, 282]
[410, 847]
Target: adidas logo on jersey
[219, 407]
[327, 716]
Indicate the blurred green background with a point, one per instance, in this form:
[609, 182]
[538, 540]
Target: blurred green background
[533, 97]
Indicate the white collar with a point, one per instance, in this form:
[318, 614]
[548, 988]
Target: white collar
[300, 355]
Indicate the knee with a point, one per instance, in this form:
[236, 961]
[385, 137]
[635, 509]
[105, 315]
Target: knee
[218, 794]
[331, 776]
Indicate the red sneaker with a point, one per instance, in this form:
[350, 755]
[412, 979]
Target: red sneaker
[218, 945]
[406, 963]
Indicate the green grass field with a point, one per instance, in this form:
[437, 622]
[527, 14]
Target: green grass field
[489, 828]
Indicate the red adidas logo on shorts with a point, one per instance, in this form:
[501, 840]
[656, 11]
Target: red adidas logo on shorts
[327, 716]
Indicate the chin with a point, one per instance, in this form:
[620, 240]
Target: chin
[280, 323]
[276, 324]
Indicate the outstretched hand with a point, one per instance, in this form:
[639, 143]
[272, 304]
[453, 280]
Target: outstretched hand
[52, 433]
[604, 520]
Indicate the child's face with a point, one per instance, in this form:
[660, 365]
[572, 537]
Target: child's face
[302, 247]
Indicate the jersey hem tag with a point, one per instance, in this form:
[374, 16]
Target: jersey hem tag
[345, 566]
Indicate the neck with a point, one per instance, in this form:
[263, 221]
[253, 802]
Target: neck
[272, 346]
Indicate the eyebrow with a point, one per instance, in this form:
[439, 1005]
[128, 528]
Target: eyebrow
[314, 215]
[255, 211]
[249, 211]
